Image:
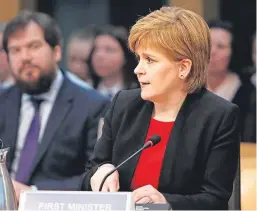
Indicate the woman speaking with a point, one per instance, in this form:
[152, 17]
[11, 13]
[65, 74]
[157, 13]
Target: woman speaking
[194, 165]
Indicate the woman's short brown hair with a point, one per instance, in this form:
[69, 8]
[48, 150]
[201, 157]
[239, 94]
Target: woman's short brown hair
[180, 34]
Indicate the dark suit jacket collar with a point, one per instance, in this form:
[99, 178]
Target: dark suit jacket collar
[61, 108]
[12, 104]
[142, 125]
[175, 143]
[59, 111]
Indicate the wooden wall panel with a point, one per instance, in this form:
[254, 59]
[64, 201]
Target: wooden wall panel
[8, 9]
[195, 5]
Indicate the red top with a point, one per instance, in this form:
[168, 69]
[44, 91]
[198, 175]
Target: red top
[150, 162]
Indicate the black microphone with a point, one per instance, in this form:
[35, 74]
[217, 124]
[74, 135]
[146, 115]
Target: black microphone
[152, 141]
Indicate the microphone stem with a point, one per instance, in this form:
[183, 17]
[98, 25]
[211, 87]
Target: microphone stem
[146, 145]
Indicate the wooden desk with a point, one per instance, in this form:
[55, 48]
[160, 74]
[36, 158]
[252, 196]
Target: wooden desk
[248, 176]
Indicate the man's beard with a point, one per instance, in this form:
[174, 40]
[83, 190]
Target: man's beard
[41, 86]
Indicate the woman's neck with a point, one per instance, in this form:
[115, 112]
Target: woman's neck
[168, 109]
[112, 80]
[214, 81]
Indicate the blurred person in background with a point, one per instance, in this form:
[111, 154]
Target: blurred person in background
[6, 79]
[111, 63]
[227, 84]
[249, 73]
[48, 121]
[78, 49]
[253, 77]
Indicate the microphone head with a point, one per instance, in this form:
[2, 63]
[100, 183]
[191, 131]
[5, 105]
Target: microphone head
[155, 139]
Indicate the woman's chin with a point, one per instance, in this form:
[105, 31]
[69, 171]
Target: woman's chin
[146, 95]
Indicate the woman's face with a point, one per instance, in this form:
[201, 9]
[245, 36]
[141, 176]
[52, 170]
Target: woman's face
[220, 51]
[158, 75]
[108, 57]
[77, 55]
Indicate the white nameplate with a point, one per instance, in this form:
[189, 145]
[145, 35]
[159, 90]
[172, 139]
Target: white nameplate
[75, 201]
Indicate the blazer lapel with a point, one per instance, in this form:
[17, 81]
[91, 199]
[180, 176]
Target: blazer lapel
[137, 140]
[175, 143]
[59, 111]
[13, 104]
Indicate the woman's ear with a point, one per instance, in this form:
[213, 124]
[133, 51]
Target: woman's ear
[185, 68]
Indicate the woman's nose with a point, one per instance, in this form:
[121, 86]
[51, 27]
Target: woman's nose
[139, 69]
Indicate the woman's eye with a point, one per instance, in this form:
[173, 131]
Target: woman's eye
[149, 60]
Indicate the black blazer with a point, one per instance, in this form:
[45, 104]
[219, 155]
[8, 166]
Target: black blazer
[68, 139]
[201, 156]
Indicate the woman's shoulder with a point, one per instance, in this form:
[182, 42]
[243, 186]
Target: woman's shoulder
[129, 99]
[209, 110]
[214, 102]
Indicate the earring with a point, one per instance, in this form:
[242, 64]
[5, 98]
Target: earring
[182, 76]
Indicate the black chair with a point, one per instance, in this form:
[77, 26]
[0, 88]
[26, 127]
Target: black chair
[235, 199]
